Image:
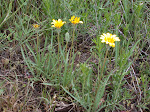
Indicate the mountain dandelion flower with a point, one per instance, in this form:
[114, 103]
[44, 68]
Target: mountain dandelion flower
[36, 26]
[109, 39]
[75, 20]
[57, 23]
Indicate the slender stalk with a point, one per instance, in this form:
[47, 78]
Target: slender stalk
[103, 66]
[72, 39]
[100, 77]
[59, 65]
[58, 43]
[38, 44]
[66, 48]
[72, 43]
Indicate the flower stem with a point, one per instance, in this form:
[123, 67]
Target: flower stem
[100, 77]
[103, 66]
[66, 48]
[58, 44]
[72, 42]
[38, 44]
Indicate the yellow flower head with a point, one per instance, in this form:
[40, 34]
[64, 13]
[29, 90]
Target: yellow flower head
[57, 23]
[75, 20]
[109, 39]
[36, 25]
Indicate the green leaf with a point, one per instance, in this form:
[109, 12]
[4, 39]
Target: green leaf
[100, 93]
[1, 91]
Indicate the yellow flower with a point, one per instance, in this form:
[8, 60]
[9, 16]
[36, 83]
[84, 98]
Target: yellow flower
[75, 20]
[109, 39]
[57, 23]
[36, 25]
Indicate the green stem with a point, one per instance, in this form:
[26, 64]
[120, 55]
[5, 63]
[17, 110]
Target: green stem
[66, 48]
[72, 39]
[100, 77]
[72, 43]
[58, 44]
[103, 66]
[38, 44]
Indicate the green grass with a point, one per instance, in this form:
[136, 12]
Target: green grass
[34, 72]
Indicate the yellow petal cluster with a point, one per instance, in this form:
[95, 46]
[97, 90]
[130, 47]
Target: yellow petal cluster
[109, 39]
[75, 20]
[57, 23]
[36, 25]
